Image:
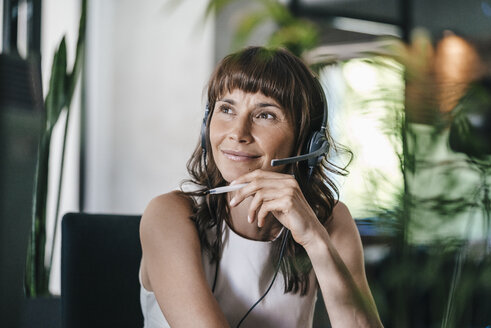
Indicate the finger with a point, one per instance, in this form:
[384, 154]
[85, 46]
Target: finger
[279, 206]
[248, 177]
[243, 193]
[253, 188]
[253, 208]
[275, 207]
[258, 199]
[272, 187]
[266, 208]
[262, 213]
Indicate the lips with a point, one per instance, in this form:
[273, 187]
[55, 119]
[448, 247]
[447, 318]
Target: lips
[239, 156]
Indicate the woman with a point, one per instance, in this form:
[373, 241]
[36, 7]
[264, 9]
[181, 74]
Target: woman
[210, 261]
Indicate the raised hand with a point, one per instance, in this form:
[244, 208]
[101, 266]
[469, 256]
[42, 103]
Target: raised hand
[280, 195]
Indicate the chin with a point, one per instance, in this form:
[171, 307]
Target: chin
[230, 174]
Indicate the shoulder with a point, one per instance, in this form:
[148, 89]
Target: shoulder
[341, 211]
[341, 225]
[173, 201]
[172, 210]
[345, 237]
[340, 216]
[166, 228]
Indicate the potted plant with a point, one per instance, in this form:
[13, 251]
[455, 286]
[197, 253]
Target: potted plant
[60, 93]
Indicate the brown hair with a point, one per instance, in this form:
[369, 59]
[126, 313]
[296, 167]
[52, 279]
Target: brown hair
[278, 74]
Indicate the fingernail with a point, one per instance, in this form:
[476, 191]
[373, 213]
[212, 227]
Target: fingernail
[249, 219]
[232, 183]
[232, 201]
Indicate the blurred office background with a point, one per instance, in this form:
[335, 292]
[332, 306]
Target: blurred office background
[138, 105]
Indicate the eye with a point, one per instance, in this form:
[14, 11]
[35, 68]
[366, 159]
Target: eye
[225, 109]
[266, 116]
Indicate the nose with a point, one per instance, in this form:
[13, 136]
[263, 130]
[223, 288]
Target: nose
[240, 130]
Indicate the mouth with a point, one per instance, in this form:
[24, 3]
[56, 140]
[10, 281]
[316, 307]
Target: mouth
[239, 156]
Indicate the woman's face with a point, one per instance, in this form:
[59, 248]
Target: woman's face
[247, 131]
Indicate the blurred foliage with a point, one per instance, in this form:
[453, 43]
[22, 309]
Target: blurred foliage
[290, 32]
[470, 130]
[439, 182]
[437, 272]
[60, 93]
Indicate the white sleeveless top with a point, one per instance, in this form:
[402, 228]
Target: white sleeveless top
[244, 275]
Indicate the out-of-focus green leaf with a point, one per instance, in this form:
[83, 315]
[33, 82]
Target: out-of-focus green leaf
[297, 37]
[72, 78]
[61, 88]
[295, 34]
[247, 25]
[35, 277]
[215, 6]
[278, 12]
[56, 98]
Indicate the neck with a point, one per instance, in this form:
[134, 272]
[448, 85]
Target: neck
[239, 223]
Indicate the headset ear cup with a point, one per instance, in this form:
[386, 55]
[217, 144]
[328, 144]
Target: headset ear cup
[318, 139]
[203, 128]
[316, 142]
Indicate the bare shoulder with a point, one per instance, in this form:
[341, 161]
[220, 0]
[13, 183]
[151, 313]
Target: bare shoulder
[172, 265]
[174, 202]
[341, 210]
[166, 227]
[173, 208]
[346, 238]
[340, 219]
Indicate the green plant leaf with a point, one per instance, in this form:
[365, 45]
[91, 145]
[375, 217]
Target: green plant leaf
[296, 37]
[56, 97]
[278, 12]
[35, 277]
[61, 89]
[247, 25]
[215, 6]
[72, 78]
[71, 83]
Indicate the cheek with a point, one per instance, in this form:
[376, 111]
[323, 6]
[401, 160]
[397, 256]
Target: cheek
[284, 140]
[287, 147]
[214, 137]
[278, 144]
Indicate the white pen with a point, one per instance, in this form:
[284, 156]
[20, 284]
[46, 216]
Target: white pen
[221, 190]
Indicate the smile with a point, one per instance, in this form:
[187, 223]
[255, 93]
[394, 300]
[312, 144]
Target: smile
[239, 156]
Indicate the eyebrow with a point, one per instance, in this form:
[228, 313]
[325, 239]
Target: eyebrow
[259, 105]
[227, 100]
[265, 104]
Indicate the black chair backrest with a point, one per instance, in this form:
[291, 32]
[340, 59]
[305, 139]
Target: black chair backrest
[100, 259]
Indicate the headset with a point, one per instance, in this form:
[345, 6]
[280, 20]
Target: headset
[316, 148]
[317, 145]
[204, 129]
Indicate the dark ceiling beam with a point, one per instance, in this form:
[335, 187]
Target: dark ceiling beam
[324, 12]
